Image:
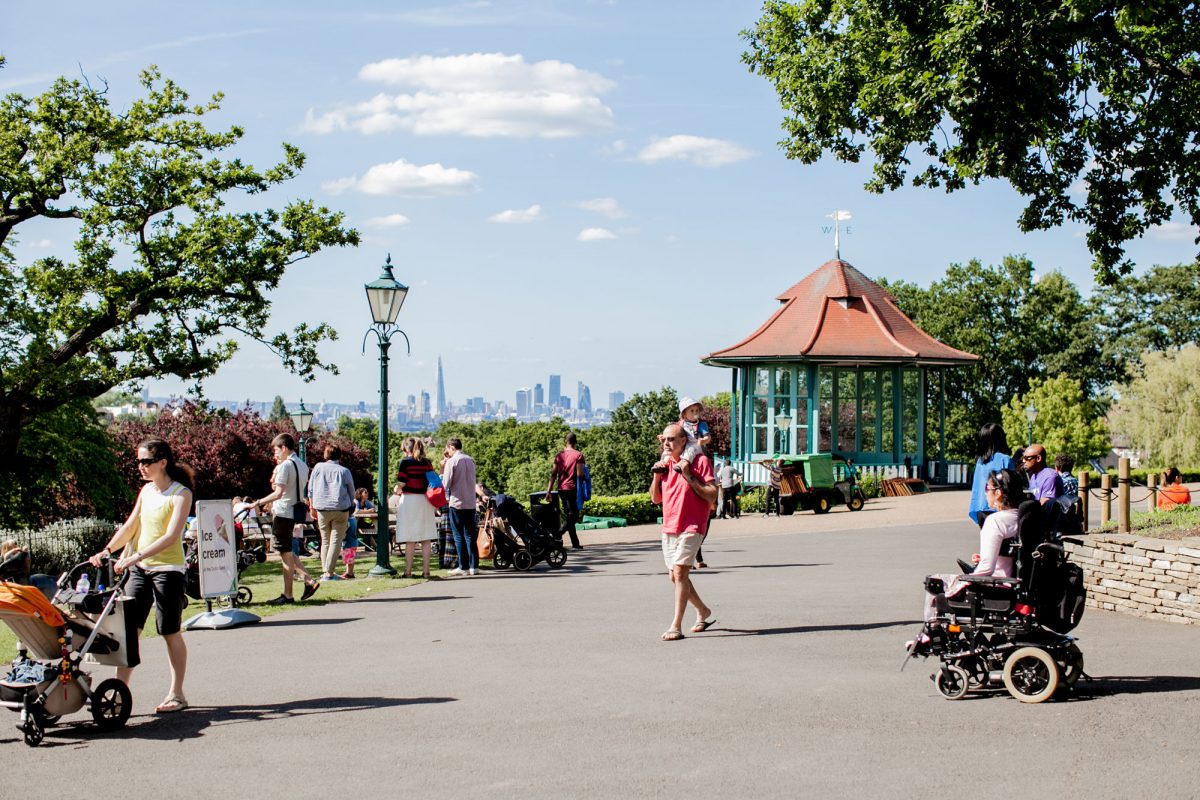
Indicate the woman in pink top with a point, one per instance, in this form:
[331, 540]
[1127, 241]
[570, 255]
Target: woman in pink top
[1003, 492]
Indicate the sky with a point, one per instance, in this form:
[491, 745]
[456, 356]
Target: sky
[591, 189]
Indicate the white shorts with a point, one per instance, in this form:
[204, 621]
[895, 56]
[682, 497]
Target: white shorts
[679, 549]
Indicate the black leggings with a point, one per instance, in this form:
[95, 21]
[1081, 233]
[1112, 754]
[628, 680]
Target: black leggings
[566, 498]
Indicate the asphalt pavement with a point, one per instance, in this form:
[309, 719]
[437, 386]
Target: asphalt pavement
[555, 684]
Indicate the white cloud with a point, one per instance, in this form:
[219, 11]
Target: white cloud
[608, 206]
[1173, 232]
[513, 215]
[479, 94]
[595, 235]
[695, 149]
[389, 221]
[404, 178]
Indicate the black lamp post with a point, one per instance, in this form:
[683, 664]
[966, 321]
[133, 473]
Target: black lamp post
[385, 295]
[302, 420]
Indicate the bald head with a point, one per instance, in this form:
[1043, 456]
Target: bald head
[675, 438]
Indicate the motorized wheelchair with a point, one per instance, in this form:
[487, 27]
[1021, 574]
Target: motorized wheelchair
[1010, 631]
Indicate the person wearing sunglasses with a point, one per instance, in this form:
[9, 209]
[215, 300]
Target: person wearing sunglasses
[154, 533]
[1045, 484]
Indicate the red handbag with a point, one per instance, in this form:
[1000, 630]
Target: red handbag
[437, 496]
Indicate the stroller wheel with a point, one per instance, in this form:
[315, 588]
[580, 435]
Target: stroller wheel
[1030, 675]
[501, 561]
[112, 703]
[244, 596]
[33, 730]
[522, 560]
[952, 682]
[557, 557]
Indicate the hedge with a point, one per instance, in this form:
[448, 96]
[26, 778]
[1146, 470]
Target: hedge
[61, 545]
[1190, 475]
[635, 509]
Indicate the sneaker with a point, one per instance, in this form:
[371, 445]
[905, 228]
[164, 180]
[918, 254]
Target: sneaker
[471, 573]
[280, 601]
[454, 573]
[331, 577]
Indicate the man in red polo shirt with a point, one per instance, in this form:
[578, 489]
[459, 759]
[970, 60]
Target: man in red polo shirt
[687, 498]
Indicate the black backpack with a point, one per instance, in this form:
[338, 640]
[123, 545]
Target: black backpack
[1062, 597]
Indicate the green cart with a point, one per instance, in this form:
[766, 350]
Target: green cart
[817, 482]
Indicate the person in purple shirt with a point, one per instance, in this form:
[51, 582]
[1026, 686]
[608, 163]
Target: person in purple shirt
[1045, 484]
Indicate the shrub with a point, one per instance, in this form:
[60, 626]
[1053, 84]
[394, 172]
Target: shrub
[635, 509]
[870, 484]
[61, 545]
[754, 500]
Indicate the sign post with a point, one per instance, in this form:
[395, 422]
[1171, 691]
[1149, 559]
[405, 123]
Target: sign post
[217, 564]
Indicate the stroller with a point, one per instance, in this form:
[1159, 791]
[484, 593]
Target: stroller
[247, 554]
[52, 682]
[522, 541]
[1010, 631]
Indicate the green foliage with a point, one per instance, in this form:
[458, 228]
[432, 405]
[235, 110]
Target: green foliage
[870, 484]
[501, 447]
[67, 468]
[1160, 411]
[529, 477]
[279, 411]
[754, 501]
[164, 275]
[115, 397]
[61, 545]
[1020, 328]
[621, 454]
[636, 509]
[1044, 95]
[1067, 422]
[1157, 311]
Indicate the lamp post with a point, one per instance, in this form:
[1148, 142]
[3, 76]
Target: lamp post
[784, 423]
[1031, 414]
[302, 420]
[385, 295]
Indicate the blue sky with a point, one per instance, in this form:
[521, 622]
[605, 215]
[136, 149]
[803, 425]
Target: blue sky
[587, 188]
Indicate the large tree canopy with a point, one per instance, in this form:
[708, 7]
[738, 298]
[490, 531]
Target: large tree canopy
[164, 275]
[1041, 93]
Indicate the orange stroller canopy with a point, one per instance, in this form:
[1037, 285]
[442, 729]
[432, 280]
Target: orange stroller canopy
[28, 601]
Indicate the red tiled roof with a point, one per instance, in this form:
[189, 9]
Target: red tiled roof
[837, 313]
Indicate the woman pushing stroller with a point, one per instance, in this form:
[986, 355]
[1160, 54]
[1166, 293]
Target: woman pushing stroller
[154, 530]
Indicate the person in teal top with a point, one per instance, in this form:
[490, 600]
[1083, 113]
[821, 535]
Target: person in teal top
[991, 455]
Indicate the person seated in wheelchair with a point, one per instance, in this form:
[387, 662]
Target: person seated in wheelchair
[1004, 491]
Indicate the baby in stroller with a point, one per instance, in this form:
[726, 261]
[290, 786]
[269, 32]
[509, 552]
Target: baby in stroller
[1007, 626]
[52, 682]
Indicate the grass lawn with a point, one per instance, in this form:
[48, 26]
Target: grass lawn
[1177, 523]
[266, 582]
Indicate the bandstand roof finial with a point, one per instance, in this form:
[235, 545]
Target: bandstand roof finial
[838, 218]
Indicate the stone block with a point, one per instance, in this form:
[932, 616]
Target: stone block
[1139, 561]
[1167, 594]
[1194, 552]
[1161, 563]
[1153, 545]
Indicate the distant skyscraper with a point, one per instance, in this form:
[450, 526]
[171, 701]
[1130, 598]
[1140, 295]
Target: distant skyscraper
[555, 398]
[425, 404]
[615, 400]
[539, 397]
[441, 391]
[585, 399]
[522, 403]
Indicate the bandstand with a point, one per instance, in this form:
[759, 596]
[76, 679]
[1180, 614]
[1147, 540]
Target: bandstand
[838, 368]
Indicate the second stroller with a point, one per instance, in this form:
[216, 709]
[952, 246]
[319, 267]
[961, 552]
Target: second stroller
[524, 542]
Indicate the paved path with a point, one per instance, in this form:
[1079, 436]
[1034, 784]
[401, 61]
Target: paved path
[554, 684]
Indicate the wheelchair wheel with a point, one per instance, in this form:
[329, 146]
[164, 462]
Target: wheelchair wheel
[1030, 675]
[1071, 667]
[501, 561]
[522, 560]
[952, 682]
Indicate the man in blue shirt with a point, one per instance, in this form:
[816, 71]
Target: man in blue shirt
[331, 491]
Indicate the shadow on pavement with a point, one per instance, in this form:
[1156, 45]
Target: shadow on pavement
[1133, 684]
[195, 720]
[854, 626]
[410, 599]
[277, 621]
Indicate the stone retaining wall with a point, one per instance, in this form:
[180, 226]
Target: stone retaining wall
[1156, 578]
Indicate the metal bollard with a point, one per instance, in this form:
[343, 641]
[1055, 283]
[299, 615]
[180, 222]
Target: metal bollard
[1123, 495]
[1106, 494]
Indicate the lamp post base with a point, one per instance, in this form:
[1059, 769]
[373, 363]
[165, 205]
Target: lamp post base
[379, 571]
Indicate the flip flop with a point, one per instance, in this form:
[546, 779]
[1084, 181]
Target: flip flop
[171, 705]
[672, 636]
[703, 625]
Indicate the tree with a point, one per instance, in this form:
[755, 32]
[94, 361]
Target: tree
[164, 275]
[279, 410]
[1020, 328]
[1068, 423]
[1160, 410]
[1159, 310]
[1043, 94]
[621, 453]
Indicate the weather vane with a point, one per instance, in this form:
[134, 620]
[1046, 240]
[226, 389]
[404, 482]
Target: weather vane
[838, 217]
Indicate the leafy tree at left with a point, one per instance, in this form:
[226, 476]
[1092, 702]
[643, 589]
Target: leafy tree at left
[164, 275]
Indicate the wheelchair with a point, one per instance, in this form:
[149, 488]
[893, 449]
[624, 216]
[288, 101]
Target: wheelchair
[1010, 632]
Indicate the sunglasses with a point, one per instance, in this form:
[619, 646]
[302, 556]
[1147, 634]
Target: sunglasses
[1030, 458]
[145, 462]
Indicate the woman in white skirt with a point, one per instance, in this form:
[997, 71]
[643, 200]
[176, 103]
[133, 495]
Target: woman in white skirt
[414, 516]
